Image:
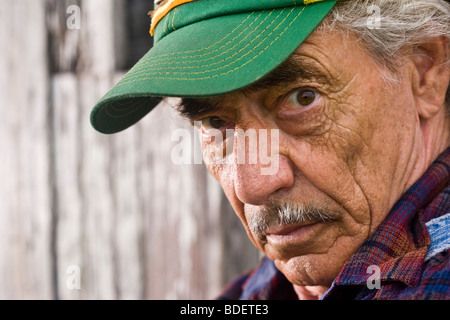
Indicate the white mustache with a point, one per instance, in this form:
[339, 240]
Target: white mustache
[287, 213]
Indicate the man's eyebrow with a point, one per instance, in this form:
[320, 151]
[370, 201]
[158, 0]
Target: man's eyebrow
[294, 69]
[194, 108]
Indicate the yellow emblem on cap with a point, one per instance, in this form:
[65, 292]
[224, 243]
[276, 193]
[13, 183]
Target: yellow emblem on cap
[165, 6]
[163, 9]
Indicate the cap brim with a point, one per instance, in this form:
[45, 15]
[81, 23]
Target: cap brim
[208, 58]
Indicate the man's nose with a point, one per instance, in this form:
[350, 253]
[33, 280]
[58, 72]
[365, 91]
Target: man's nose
[253, 183]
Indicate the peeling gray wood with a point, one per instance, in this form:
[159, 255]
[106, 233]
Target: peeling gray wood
[25, 203]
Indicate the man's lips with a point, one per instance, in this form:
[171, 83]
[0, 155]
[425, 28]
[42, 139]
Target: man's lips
[285, 230]
[281, 236]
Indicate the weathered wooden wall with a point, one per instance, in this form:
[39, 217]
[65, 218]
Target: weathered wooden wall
[137, 225]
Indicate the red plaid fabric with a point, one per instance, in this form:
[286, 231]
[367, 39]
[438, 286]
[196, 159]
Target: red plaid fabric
[399, 250]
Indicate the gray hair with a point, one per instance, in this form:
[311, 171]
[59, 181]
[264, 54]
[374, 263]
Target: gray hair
[387, 26]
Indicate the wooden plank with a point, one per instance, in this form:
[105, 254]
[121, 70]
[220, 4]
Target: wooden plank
[67, 191]
[98, 272]
[85, 202]
[96, 52]
[25, 196]
[98, 229]
[128, 226]
[64, 42]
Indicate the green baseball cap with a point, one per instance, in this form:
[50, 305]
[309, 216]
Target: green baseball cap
[208, 48]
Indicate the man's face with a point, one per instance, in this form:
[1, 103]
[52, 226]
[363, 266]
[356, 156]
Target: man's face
[345, 138]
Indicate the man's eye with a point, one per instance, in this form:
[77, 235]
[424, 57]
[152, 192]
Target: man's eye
[302, 98]
[215, 123]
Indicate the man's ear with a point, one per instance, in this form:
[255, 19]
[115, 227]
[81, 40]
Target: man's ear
[431, 75]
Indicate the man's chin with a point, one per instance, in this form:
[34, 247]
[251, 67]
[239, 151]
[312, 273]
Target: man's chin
[309, 270]
[314, 254]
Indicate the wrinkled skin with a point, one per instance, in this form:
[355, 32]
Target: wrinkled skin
[352, 152]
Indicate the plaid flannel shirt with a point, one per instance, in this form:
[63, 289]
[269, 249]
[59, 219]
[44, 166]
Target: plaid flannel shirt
[409, 251]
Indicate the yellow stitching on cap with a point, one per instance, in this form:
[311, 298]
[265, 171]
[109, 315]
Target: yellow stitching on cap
[160, 13]
[173, 19]
[152, 59]
[143, 67]
[239, 67]
[311, 1]
[129, 79]
[144, 64]
[230, 71]
[202, 49]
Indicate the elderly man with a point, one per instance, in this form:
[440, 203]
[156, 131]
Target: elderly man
[358, 95]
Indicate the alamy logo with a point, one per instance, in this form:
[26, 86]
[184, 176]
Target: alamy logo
[74, 20]
[234, 147]
[374, 20]
[374, 281]
[73, 281]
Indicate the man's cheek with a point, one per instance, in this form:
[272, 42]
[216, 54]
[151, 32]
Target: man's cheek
[346, 136]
